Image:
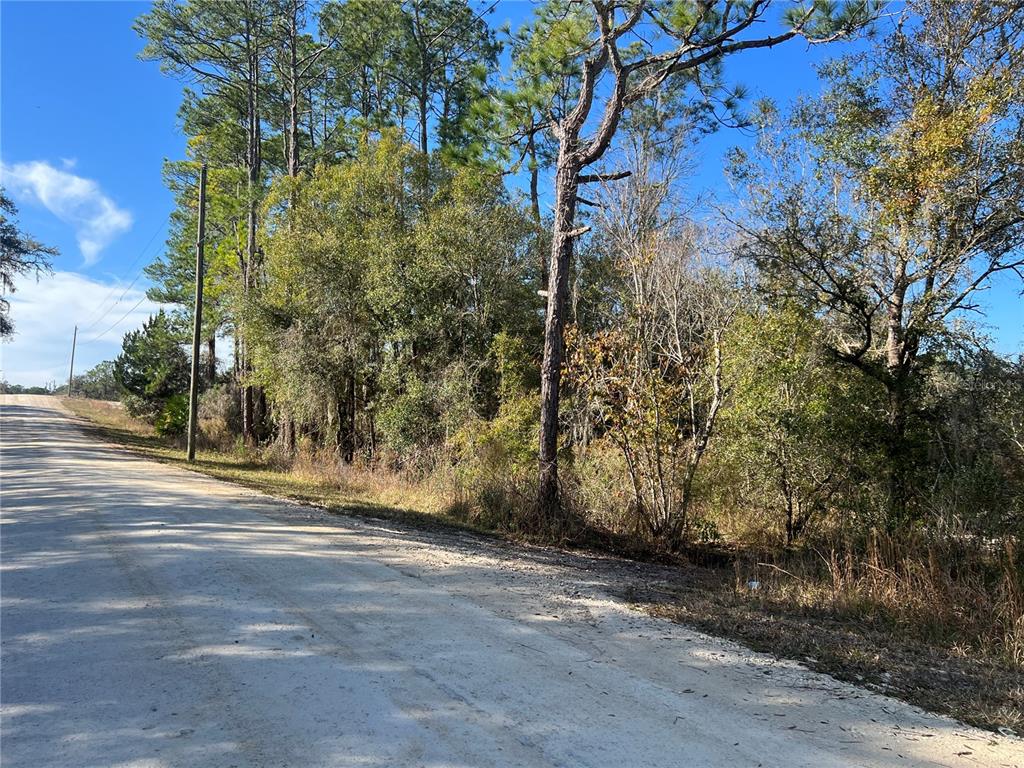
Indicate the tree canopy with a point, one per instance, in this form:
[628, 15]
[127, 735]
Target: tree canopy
[431, 242]
[20, 255]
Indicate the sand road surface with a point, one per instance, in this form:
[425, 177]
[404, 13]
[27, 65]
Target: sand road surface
[154, 617]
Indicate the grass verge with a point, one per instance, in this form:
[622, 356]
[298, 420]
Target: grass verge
[872, 629]
[350, 492]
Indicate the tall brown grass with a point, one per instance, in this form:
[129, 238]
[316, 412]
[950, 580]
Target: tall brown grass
[965, 594]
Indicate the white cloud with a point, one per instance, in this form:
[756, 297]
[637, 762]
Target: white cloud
[45, 314]
[75, 200]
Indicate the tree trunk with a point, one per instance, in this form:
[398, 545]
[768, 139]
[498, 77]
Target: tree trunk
[423, 106]
[254, 162]
[787, 494]
[312, 121]
[211, 361]
[896, 456]
[898, 365]
[293, 87]
[248, 433]
[365, 105]
[248, 414]
[351, 417]
[346, 434]
[566, 187]
[370, 446]
[261, 413]
[702, 434]
[531, 150]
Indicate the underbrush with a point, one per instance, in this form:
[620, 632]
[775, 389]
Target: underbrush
[965, 595]
[389, 488]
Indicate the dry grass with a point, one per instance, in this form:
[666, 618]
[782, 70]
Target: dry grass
[962, 593]
[108, 414]
[939, 624]
[318, 479]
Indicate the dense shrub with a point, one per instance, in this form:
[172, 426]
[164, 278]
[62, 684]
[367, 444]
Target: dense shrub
[139, 407]
[220, 416]
[152, 367]
[172, 420]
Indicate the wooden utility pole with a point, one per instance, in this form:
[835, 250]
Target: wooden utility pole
[71, 372]
[197, 326]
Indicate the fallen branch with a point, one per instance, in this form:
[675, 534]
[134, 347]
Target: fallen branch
[783, 570]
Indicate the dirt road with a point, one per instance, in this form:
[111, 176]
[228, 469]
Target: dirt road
[152, 617]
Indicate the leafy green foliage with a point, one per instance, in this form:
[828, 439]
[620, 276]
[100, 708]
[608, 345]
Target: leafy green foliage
[173, 417]
[97, 383]
[886, 205]
[418, 65]
[974, 467]
[381, 272]
[152, 367]
[382, 291]
[18, 389]
[798, 432]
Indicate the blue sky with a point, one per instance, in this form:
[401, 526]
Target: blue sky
[85, 127]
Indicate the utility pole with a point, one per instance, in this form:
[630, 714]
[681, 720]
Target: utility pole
[197, 326]
[71, 373]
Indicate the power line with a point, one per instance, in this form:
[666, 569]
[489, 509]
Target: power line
[124, 293]
[134, 262]
[118, 322]
[114, 288]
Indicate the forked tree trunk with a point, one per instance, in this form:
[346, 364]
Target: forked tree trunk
[899, 360]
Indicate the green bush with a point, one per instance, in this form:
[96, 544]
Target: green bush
[409, 419]
[503, 446]
[140, 408]
[173, 417]
[603, 487]
[151, 371]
